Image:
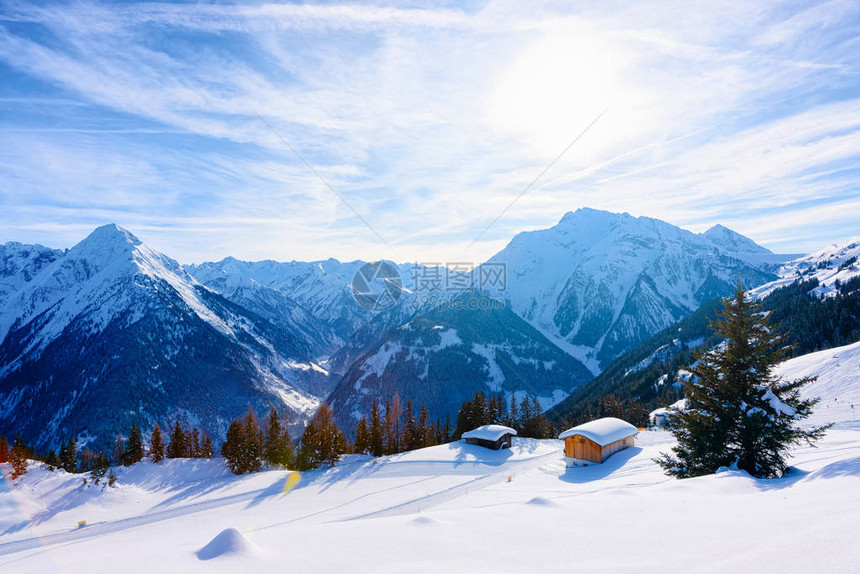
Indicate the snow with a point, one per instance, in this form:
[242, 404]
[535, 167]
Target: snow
[454, 507]
[830, 266]
[229, 542]
[603, 431]
[489, 432]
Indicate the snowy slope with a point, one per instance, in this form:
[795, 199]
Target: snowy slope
[113, 332]
[837, 385]
[599, 283]
[453, 508]
[19, 263]
[457, 508]
[830, 267]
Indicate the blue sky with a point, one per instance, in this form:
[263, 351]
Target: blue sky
[428, 119]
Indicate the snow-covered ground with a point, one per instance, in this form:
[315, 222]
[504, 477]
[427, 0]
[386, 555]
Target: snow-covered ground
[459, 508]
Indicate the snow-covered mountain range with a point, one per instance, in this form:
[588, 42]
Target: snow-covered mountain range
[114, 331]
[600, 283]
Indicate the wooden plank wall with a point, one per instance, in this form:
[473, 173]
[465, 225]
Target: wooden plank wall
[578, 446]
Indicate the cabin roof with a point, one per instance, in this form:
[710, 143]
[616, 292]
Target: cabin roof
[603, 431]
[489, 432]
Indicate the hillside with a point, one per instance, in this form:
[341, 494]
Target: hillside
[113, 333]
[381, 512]
[814, 316]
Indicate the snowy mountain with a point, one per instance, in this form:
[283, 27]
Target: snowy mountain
[599, 283]
[112, 332]
[323, 290]
[830, 267]
[443, 356]
[19, 263]
[235, 280]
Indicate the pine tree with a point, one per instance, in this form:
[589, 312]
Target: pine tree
[277, 447]
[513, 418]
[134, 447]
[4, 449]
[377, 444]
[738, 412]
[322, 442]
[52, 460]
[362, 437]
[206, 448]
[193, 443]
[232, 446]
[411, 433]
[156, 444]
[446, 431]
[252, 446]
[392, 425]
[69, 456]
[426, 434]
[178, 447]
[18, 457]
[98, 468]
[118, 449]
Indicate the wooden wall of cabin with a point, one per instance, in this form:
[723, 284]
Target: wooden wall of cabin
[578, 446]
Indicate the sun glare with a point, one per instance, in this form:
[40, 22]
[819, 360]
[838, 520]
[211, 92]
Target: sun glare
[554, 88]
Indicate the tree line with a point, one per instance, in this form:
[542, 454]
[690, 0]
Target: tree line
[249, 445]
[183, 443]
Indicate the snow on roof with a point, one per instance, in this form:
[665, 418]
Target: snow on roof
[603, 431]
[489, 432]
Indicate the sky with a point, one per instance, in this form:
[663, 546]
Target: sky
[422, 131]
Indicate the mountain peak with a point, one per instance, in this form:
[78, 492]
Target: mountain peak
[732, 241]
[111, 233]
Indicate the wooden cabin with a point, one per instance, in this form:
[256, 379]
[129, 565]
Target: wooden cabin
[597, 440]
[490, 436]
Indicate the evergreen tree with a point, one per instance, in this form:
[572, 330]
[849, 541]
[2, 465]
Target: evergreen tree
[252, 446]
[737, 411]
[118, 449]
[277, 447]
[362, 437]
[18, 457]
[377, 444]
[446, 431]
[206, 448]
[156, 444]
[178, 447]
[134, 447]
[193, 442]
[426, 432]
[4, 449]
[411, 433]
[232, 446]
[98, 467]
[69, 456]
[52, 460]
[322, 443]
[513, 416]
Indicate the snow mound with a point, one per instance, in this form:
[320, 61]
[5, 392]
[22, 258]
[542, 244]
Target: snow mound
[424, 521]
[541, 501]
[229, 542]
